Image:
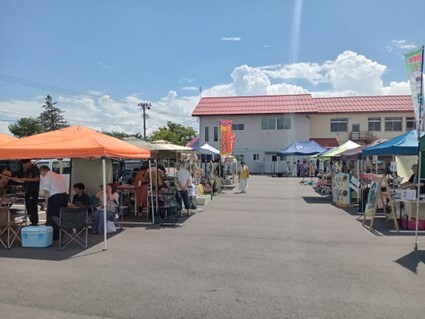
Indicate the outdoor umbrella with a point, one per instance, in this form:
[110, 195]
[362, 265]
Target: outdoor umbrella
[302, 148]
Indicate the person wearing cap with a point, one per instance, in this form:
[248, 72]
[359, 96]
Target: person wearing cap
[31, 187]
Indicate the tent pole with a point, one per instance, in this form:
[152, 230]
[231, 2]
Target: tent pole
[104, 204]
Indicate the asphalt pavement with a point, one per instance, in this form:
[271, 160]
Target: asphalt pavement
[278, 251]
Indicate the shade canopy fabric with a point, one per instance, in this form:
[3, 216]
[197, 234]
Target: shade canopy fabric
[405, 144]
[207, 147]
[162, 150]
[4, 138]
[302, 148]
[338, 150]
[357, 153]
[73, 141]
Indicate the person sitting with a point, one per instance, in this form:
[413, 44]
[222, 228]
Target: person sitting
[80, 198]
[112, 198]
[4, 182]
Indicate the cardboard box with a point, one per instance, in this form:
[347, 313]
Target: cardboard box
[37, 236]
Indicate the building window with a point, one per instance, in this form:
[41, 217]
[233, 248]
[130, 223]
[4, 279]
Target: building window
[393, 124]
[374, 124]
[215, 134]
[339, 125]
[207, 134]
[238, 127]
[239, 157]
[410, 124]
[284, 123]
[268, 124]
[255, 157]
[282, 158]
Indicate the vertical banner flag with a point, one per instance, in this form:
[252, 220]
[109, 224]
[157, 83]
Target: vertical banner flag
[226, 138]
[414, 62]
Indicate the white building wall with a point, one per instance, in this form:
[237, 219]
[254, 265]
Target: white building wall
[253, 140]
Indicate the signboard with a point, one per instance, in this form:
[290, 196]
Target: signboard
[341, 189]
[372, 199]
[414, 63]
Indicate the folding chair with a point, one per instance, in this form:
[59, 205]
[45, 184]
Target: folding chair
[9, 226]
[73, 224]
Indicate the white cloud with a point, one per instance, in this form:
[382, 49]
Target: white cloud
[190, 88]
[349, 73]
[266, 46]
[235, 39]
[103, 66]
[400, 45]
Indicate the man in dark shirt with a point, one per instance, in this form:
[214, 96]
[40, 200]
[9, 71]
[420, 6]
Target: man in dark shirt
[80, 198]
[31, 187]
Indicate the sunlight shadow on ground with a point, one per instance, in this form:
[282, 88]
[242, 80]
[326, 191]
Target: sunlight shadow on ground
[412, 260]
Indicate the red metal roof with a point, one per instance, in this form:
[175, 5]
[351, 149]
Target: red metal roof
[326, 142]
[266, 104]
[301, 103]
[356, 104]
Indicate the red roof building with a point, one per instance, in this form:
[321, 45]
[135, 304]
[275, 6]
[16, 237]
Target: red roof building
[248, 105]
[301, 103]
[263, 125]
[356, 104]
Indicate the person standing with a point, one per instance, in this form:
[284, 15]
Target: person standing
[294, 170]
[55, 196]
[184, 180]
[141, 189]
[243, 175]
[31, 188]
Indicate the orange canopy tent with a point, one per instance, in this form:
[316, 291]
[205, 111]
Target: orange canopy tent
[4, 138]
[74, 141]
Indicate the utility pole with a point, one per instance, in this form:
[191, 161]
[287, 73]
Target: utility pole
[144, 106]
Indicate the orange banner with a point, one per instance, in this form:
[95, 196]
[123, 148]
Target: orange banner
[227, 138]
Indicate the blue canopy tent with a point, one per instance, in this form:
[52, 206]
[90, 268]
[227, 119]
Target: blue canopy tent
[405, 144]
[302, 148]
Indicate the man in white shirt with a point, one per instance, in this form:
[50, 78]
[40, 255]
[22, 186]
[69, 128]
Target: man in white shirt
[55, 196]
[184, 180]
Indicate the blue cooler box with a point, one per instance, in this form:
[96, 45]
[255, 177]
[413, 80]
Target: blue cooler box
[37, 236]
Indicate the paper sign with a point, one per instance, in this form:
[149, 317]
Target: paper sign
[393, 167]
[408, 194]
[354, 184]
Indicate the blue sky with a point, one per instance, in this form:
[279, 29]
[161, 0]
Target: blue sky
[107, 56]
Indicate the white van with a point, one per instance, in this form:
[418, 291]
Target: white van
[54, 165]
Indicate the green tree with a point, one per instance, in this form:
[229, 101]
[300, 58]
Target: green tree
[173, 133]
[121, 134]
[51, 118]
[25, 126]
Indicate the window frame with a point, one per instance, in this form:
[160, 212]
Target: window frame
[215, 133]
[255, 157]
[285, 126]
[410, 120]
[207, 133]
[269, 120]
[339, 122]
[393, 120]
[374, 121]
